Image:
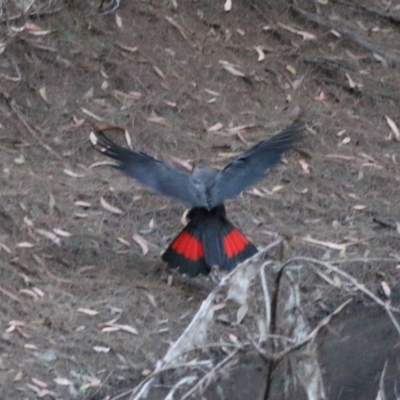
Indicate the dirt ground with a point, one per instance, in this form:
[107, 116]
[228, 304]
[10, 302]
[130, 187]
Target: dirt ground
[187, 83]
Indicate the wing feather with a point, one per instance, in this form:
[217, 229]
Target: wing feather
[253, 164]
[150, 172]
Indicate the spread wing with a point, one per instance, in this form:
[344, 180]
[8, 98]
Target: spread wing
[151, 172]
[253, 164]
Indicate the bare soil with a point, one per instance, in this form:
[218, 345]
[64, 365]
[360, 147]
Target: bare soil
[169, 76]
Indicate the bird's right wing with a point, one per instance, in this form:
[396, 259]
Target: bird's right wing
[253, 164]
[150, 172]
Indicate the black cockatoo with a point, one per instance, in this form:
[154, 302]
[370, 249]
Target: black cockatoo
[209, 238]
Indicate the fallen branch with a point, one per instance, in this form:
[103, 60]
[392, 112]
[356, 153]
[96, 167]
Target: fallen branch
[350, 35]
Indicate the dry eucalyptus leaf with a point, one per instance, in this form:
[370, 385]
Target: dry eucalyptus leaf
[303, 34]
[83, 204]
[359, 207]
[346, 140]
[28, 222]
[386, 289]
[260, 52]
[291, 69]
[25, 245]
[118, 21]
[61, 232]
[49, 235]
[393, 127]
[218, 126]
[43, 94]
[87, 311]
[72, 173]
[62, 381]
[157, 120]
[128, 139]
[228, 5]
[304, 166]
[101, 349]
[234, 71]
[142, 242]
[123, 241]
[19, 160]
[129, 49]
[107, 206]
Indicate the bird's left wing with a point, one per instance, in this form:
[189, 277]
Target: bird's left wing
[253, 164]
[150, 172]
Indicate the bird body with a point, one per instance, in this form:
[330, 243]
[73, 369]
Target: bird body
[209, 238]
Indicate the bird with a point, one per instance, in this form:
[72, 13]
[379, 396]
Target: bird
[209, 239]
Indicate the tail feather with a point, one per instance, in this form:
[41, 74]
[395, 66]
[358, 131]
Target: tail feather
[186, 252]
[208, 239]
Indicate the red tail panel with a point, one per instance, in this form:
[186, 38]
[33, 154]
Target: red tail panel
[234, 243]
[208, 239]
[188, 246]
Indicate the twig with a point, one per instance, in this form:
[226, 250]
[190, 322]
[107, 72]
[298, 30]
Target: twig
[209, 374]
[379, 14]
[388, 308]
[179, 29]
[15, 108]
[267, 300]
[351, 35]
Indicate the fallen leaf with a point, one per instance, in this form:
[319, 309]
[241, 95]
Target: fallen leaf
[62, 381]
[123, 241]
[107, 206]
[87, 311]
[346, 140]
[291, 69]
[260, 52]
[39, 383]
[49, 235]
[90, 114]
[218, 126]
[341, 133]
[359, 207]
[304, 166]
[5, 248]
[101, 349]
[83, 204]
[43, 94]
[19, 160]
[234, 71]
[61, 232]
[321, 96]
[386, 289]
[28, 222]
[183, 163]
[352, 84]
[118, 21]
[18, 377]
[128, 139]
[277, 188]
[157, 120]
[25, 245]
[72, 173]
[211, 92]
[158, 72]
[142, 242]
[228, 5]
[305, 35]
[393, 127]
[127, 48]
